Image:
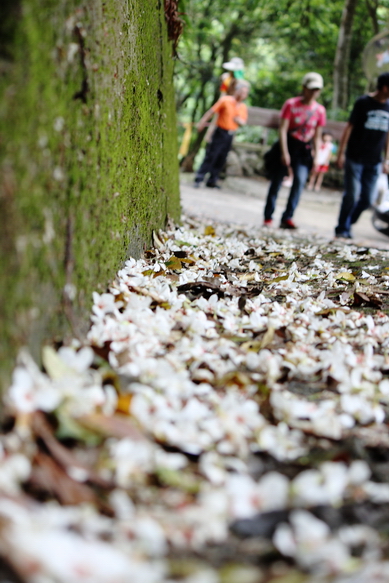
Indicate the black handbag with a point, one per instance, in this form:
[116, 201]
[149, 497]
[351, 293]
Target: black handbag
[299, 151]
[272, 160]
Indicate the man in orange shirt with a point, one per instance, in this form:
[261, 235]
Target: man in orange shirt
[232, 113]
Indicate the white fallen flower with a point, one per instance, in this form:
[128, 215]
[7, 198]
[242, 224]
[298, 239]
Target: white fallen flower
[14, 470]
[31, 390]
[309, 541]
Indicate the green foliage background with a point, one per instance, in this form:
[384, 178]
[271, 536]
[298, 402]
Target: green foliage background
[279, 40]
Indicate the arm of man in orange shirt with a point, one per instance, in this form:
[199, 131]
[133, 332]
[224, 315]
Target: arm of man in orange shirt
[206, 117]
[239, 120]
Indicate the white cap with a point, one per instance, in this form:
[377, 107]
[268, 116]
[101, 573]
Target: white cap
[236, 64]
[313, 81]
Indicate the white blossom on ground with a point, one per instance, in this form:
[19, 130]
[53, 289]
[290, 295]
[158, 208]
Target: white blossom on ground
[210, 392]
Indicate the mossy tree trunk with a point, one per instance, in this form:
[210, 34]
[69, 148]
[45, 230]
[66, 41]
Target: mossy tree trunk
[88, 156]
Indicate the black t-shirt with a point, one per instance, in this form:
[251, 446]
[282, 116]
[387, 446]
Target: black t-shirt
[370, 121]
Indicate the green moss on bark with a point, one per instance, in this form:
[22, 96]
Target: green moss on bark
[87, 156]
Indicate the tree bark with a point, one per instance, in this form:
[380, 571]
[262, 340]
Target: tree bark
[79, 194]
[186, 163]
[372, 8]
[342, 56]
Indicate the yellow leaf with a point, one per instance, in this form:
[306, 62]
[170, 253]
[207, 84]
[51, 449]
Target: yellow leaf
[232, 378]
[185, 481]
[251, 345]
[209, 230]
[54, 365]
[268, 337]
[183, 243]
[123, 404]
[173, 263]
[280, 278]
[345, 275]
[247, 277]
[157, 241]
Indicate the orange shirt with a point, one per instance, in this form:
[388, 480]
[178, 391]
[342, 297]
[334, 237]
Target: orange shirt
[227, 107]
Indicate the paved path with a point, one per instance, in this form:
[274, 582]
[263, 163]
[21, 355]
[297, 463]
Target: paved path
[241, 201]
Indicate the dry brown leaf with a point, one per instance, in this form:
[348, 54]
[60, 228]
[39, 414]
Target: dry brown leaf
[48, 476]
[234, 378]
[113, 426]
[201, 288]
[371, 300]
[63, 456]
[102, 351]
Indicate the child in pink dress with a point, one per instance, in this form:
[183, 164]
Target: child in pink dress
[323, 160]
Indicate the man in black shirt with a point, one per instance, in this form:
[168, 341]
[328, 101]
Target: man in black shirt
[366, 136]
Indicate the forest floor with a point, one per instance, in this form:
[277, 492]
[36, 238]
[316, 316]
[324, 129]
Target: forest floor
[226, 420]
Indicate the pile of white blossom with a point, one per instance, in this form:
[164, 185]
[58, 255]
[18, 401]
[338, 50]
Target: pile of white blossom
[217, 352]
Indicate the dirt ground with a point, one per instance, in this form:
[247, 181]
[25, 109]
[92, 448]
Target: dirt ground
[241, 201]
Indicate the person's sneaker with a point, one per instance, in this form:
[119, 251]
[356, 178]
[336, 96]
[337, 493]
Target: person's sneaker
[213, 186]
[343, 235]
[287, 224]
[267, 222]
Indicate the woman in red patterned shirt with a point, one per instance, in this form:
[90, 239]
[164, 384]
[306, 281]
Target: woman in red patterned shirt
[302, 120]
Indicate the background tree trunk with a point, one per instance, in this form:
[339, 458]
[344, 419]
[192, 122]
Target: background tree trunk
[342, 56]
[372, 8]
[187, 162]
[224, 48]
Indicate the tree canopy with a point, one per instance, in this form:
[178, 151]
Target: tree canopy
[279, 40]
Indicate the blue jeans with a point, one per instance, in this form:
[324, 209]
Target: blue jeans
[300, 173]
[359, 185]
